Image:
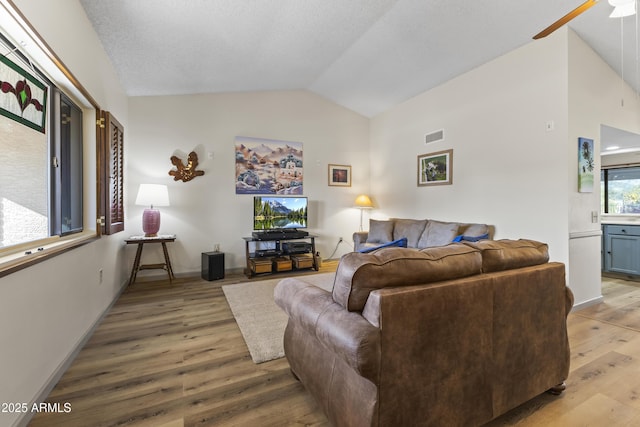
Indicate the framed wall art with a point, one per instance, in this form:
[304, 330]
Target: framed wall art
[586, 165]
[340, 175]
[267, 166]
[435, 168]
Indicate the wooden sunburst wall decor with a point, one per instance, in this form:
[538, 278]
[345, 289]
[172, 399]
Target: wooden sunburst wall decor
[186, 172]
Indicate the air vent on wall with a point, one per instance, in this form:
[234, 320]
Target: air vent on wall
[434, 136]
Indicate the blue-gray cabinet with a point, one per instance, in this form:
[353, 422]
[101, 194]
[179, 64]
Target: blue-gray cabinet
[621, 249]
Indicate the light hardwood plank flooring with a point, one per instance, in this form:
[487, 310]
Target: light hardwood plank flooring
[173, 356]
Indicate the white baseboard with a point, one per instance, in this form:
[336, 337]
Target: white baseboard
[587, 303]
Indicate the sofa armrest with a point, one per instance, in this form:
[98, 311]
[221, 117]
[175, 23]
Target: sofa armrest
[359, 238]
[347, 335]
[569, 298]
[438, 339]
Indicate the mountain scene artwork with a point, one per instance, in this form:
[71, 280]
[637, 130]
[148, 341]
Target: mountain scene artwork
[265, 166]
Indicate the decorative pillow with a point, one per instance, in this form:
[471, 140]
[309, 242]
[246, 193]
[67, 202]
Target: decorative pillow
[438, 233]
[401, 243]
[410, 228]
[464, 238]
[475, 238]
[380, 231]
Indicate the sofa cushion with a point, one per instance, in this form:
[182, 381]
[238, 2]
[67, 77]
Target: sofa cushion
[473, 230]
[498, 255]
[358, 274]
[401, 243]
[410, 228]
[438, 233]
[380, 231]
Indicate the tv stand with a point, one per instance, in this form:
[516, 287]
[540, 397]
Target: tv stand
[290, 251]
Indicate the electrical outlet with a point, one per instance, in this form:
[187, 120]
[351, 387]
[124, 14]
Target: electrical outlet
[216, 247]
[340, 240]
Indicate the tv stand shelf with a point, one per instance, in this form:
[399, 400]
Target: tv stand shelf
[283, 254]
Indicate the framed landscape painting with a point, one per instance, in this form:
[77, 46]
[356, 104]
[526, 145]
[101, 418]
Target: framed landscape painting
[435, 168]
[267, 166]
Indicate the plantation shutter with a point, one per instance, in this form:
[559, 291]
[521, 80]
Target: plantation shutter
[111, 172]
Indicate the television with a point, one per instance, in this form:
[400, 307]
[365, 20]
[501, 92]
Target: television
[276, 213]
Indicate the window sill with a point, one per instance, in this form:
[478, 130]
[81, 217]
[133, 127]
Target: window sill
[18, 261]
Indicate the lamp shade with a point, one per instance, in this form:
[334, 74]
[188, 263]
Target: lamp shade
[363, 202]
[152, 195]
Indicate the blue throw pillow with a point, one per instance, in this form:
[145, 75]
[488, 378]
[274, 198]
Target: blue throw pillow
[460, 238]
[402, 243]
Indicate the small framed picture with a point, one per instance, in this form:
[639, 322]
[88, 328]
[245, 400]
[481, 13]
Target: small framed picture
[340, 175]
[435, 168]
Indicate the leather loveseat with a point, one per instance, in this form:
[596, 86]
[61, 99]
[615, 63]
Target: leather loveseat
[419, 233]
[447, 336]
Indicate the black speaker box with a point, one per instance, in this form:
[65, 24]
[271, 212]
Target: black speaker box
[212, 265]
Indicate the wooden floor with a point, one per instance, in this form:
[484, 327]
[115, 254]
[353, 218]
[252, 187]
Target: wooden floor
[173, 356]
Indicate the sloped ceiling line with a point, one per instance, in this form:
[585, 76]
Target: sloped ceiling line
[367, 55]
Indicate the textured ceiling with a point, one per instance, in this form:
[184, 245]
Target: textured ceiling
[367, 55]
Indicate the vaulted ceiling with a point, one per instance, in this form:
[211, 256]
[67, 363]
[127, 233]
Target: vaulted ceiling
[367, 55]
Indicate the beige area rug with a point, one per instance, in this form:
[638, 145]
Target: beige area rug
[261, 321]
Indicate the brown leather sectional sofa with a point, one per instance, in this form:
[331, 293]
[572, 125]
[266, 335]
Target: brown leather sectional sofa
[446, 336]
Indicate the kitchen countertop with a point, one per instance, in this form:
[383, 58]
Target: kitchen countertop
[620, 219]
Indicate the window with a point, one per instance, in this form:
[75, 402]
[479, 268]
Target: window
[66, 175]
[620, 190]
[40, 154]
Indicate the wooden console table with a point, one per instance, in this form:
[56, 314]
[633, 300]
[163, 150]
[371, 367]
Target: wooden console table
[140, 241]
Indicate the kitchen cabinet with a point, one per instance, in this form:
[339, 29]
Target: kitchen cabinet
[621, 249]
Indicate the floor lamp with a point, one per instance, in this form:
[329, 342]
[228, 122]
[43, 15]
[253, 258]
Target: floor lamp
[363, 202]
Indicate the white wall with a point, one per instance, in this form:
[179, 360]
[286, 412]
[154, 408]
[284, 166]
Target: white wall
[507, 169]
[46, 309]
[206, 210]
[596, 96]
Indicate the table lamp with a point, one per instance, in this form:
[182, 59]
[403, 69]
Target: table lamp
[152, 195]
[363, 202]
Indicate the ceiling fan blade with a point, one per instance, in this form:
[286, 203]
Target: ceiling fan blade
[566, 18]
